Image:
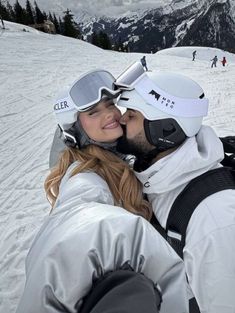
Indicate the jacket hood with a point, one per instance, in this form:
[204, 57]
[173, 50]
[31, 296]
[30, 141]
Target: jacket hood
[197, 155]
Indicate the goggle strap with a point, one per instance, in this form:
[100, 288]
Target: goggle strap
[64, 105]
[170, 104]
[68, 138]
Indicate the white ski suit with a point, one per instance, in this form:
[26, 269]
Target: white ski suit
[87, 236]
[209, 252]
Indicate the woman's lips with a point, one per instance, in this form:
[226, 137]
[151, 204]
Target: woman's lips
[111, 125]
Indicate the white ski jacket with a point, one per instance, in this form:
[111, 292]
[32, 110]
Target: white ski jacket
[87, 236]
[209, 253]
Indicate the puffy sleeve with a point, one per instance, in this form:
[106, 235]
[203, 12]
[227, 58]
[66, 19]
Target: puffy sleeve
[210, 253]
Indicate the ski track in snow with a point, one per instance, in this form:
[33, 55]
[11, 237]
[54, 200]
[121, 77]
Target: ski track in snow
[33, 67]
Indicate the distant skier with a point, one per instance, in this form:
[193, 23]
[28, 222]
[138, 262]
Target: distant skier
[194, 55]
[144, 63]
[3, 26]
[214, 61]
[224, 61]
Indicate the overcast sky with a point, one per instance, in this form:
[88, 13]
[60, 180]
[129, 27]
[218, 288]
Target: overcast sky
[98, 7]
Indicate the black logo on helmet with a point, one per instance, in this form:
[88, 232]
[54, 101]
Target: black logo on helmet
[155, 94]
[166, 102]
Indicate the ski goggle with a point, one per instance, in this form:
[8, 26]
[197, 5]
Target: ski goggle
[135, 77]
[90, 88]
[129, 76]
[87, 91]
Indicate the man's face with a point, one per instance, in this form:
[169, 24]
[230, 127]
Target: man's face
[133, 140]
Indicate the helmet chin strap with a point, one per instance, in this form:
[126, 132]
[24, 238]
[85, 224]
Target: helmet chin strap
[76, 137]
[84, 140]
[164, 134]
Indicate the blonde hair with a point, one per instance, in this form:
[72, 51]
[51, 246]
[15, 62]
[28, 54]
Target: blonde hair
[124, 186]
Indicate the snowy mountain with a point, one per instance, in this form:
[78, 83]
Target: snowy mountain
[178, 23]
[34, 67]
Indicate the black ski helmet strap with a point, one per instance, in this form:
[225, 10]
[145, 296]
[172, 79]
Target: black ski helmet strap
[68, 137]
[76, 137]
[164, 134]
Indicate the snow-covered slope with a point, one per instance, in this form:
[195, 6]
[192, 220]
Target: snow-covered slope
[33, 67]
[202, 53]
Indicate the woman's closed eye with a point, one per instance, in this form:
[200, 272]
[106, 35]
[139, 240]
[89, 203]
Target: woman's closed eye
[110, 104]
[93, 112]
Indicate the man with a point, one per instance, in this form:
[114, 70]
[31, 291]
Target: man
[163, 129]
[144, 63]
[214, 61]
[194, 55]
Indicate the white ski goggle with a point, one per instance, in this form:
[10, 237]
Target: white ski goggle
[135, 77]
[126, 80]
[87, 91]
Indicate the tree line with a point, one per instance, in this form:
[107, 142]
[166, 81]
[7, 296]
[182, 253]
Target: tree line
[66, 26]
[32, 15]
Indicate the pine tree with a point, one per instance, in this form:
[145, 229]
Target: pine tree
[20, 14]
[45, 17]
[61, 26]
[101, 40]
[104, 41]
[50, 17]
[95, 39]
[56, 23]
[119, 45]
[39, 18]
[69, 25]
[29, 13]
[10, 12]
[4, 14]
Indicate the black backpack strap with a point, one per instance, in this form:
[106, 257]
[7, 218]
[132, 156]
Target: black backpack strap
[198, 189]
[154, 221]
[228, 144]
[229, 151]
[193, 306]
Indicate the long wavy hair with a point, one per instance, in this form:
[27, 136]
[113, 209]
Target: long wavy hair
[124, 186]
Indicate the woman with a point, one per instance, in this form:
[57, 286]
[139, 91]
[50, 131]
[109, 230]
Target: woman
[88, 242]
[96, 131]
[223, 61]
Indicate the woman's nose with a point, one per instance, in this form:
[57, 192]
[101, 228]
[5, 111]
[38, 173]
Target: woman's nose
[109, 114]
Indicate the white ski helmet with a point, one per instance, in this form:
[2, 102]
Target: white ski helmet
[167, 95]
[86, 92]
[83, 94]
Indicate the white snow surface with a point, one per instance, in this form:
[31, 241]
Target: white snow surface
[33, 68]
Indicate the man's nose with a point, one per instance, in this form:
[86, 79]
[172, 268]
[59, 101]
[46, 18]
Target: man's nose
[123, 119]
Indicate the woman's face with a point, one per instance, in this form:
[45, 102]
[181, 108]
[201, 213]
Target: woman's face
[101, 123]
